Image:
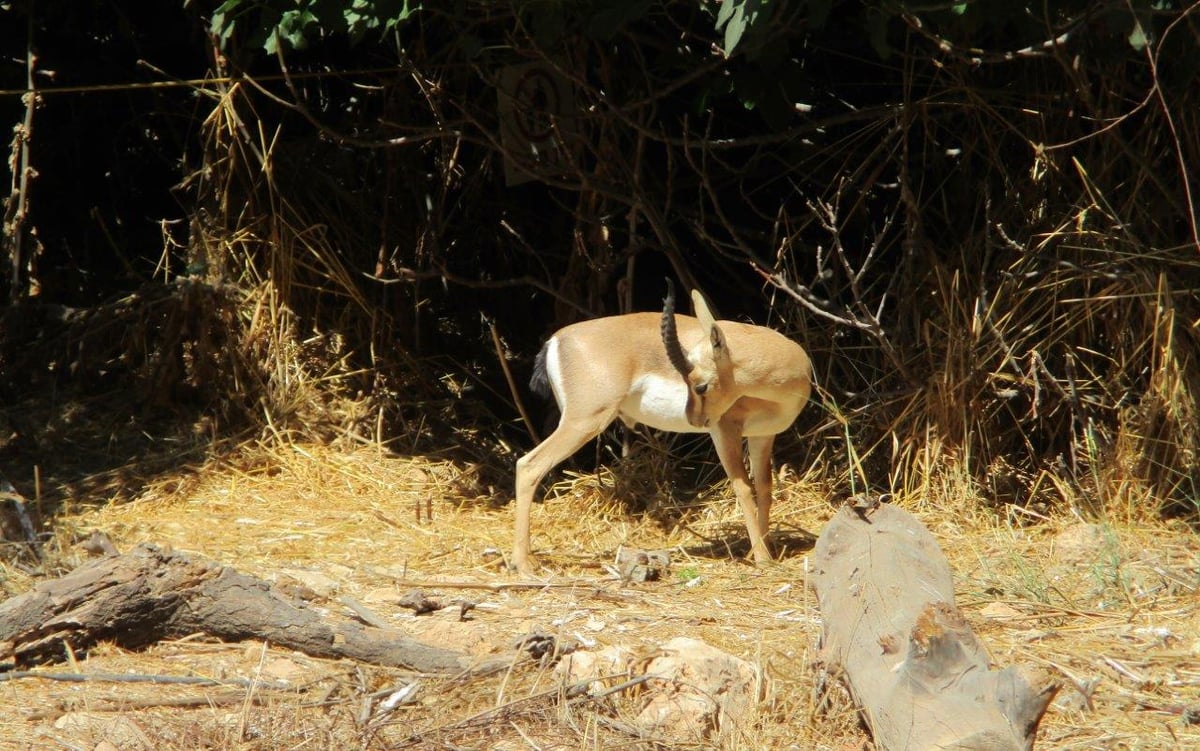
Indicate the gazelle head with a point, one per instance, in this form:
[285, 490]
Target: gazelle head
[707, 369]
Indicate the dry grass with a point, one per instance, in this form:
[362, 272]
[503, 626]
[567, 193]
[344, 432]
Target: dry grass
[1116, 606]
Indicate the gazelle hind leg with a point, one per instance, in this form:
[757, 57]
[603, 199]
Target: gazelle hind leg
[567, 438]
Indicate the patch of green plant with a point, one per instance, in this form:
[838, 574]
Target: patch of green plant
[1111, 578]
[687, 574]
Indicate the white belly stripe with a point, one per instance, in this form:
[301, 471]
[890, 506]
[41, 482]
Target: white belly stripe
[659, 403]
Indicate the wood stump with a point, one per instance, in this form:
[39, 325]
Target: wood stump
[917, 672]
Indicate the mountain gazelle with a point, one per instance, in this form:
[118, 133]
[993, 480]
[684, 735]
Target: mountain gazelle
[671, 372]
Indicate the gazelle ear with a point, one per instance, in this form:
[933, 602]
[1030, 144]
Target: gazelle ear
[716, 338]
[701, 308]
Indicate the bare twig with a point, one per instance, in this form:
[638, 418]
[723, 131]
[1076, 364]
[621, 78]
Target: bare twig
[512, 384]
[184, 680]
[15, 215]
[126, 705]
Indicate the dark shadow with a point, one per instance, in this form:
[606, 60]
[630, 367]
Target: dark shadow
[784, 541]
[666, 477]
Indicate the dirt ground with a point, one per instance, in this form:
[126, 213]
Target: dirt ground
[1112, 608]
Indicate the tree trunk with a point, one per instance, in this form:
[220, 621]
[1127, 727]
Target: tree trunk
[150, 594]
[918, 674]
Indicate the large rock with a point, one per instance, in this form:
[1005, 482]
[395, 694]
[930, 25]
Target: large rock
[694, 691]
[698, 691]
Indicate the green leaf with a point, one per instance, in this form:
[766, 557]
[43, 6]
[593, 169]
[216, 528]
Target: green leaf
[726, 10]
[1137, 37]
[397, 19]
[224, 18]
[390, 13]
[291, 28]
[742, 17]
[734, 29]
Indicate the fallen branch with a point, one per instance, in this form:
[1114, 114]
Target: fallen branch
[150, 594]
[178, 702]
[184, 680]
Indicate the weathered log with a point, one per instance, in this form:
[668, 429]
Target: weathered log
[151, 594]
[917, 672]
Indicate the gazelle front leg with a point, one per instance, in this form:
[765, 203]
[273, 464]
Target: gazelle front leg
[759, 448]
[727, 437]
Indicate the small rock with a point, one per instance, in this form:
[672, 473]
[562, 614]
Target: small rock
[283, 669]
[99, 544]
[418, 602]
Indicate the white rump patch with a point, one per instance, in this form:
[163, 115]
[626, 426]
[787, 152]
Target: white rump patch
[554, 370]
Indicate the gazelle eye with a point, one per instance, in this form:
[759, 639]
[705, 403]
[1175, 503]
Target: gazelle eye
[701, 388]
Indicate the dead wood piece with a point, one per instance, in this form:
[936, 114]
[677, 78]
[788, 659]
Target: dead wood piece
[151, 594]
[362, 612]
[15, 524]
[16, 527]
[417, 601]
[917, 672]
[635, 565]
[542, 646]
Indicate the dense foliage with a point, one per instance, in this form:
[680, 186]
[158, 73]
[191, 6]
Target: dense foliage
[980, 217]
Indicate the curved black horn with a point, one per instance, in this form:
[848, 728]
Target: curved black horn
[670, 335]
